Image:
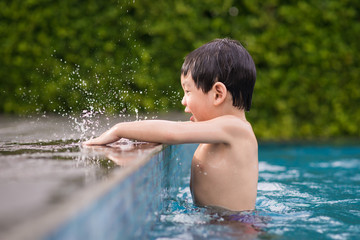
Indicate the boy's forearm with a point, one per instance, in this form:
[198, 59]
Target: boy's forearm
[149, 131]
[168, 132]
[159, 131]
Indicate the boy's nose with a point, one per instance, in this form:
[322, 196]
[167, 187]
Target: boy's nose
[183, 102]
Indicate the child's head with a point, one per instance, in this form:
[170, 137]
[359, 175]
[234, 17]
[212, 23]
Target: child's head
[226, 61]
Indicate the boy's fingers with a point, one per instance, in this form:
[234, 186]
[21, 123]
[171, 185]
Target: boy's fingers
[87, 143]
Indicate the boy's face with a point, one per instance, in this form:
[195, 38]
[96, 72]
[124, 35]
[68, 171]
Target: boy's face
[195, 100]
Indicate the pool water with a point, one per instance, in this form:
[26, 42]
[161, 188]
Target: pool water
[311, 191]
[305, 191]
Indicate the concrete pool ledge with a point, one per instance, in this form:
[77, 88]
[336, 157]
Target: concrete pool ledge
[117, 207]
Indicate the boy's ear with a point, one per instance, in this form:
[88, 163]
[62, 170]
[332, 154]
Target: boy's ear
[220, 93]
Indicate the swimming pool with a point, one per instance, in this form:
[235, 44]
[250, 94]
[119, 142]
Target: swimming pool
[305, 191]
[310, 191]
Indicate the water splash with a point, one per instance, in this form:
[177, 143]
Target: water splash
[137, 114]
[87, 123]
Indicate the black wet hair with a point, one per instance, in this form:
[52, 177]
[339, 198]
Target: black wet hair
[227, 61]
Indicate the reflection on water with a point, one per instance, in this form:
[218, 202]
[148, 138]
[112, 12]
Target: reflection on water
[123, 152]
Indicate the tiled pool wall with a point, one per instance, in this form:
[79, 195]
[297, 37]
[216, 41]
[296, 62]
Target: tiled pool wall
[129, 209]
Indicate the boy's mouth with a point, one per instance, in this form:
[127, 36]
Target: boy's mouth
[192, 118]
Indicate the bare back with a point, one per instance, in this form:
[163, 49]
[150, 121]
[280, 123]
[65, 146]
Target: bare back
[226, 175]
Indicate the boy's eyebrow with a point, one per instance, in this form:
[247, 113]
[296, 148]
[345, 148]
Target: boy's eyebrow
[185, 83]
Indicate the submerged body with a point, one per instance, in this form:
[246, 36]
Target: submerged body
[226, 175]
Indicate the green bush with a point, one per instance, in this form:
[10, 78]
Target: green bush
[117, 56]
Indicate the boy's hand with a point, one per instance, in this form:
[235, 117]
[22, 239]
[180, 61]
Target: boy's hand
[106, 138]
[88, 142]
[92, 142]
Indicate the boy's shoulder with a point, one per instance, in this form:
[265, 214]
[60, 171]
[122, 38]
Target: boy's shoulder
[234, 125]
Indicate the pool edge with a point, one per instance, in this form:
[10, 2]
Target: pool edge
[44, 225]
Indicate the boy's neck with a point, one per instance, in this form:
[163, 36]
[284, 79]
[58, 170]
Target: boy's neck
[233, 111]
[239, 113]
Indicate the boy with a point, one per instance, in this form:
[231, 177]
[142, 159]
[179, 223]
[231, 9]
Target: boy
[218, 81]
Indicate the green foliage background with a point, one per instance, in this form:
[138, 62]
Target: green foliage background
[118, 56]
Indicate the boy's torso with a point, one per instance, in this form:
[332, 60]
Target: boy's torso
[225, 175]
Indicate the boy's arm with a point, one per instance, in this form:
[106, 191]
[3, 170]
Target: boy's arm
[168, 132]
